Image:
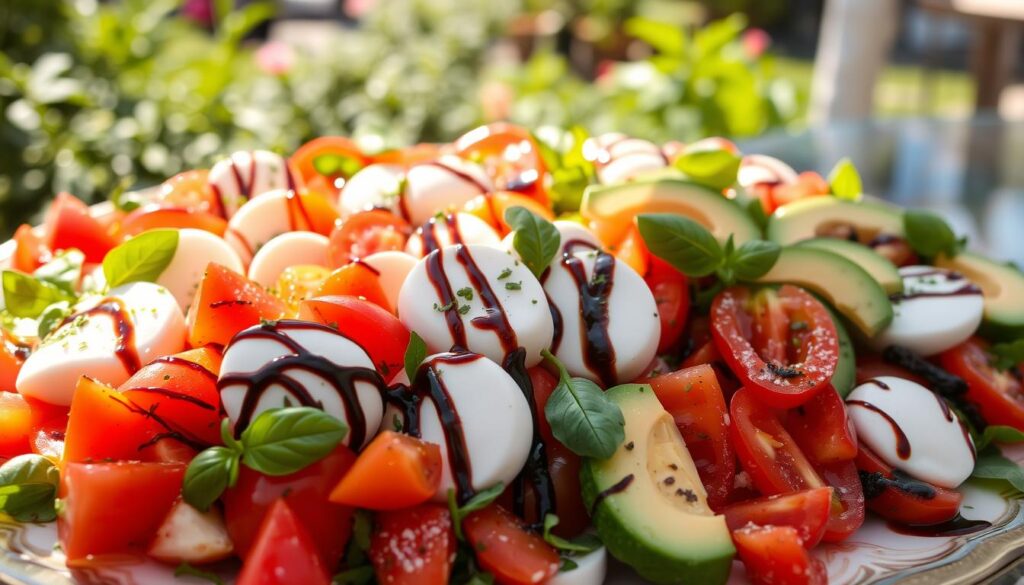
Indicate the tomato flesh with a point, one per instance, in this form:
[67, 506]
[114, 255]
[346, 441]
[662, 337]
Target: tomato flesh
[227, 303]
[806, 511]
[30, 250]
[672, 294]
[822, 428]
[357, 279]
[364, 233]
[152, 217]
[419, 537]
[774, 555]
[70, 225]
[374, 328]
[15, 425]
[394, 471]
[998, 395]
[504, 548]
[901, 498]
[284, 552]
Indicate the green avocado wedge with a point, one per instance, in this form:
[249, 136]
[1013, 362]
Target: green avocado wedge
[821, 216]
[879, 267]
[648, 504]
[1002, 287]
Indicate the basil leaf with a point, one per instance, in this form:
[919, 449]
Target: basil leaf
[1007, 355]
[27, 296]
[52, 317]
[415, 353]
[481, 578]
[355, 576]
[568, 565]
[844, 181]
[187, 570]
[581, 417]
[359, 544]
[682, 242]
[481, 500]
[993, 465]
[753, 259]
[337, 165]
[716, 169]
[930, 235]
[28, 488]
[998, 434]
[284, 440]
[536, 239]
[142, 258]
[207, 476]
[64, 271]
[582, 544]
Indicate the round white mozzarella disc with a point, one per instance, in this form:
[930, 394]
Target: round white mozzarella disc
[467, 228]
[392, 268]
[759, 168]
[248, 174]
[289, 249]
[375, 186]
[258, 221]
[441, 185]
[196, 249]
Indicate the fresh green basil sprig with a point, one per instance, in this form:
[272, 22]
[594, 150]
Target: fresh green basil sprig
[279, 441]
[582, 417]
[27, 296]
[415, 353]
[28, 488]
[929, 235]
[142, 258]
[536, 239]
[571, 171]
[844, 181]
[713, 168]
[479, 501]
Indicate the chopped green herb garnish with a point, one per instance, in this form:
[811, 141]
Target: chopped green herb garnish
[505, 274]
[514, 285]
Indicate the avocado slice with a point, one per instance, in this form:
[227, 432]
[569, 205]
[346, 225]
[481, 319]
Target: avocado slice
[878, 266]
[845, 285]
[1002, 287]
[611, 210]
[824, 216]
[845, 376]
[647, 502]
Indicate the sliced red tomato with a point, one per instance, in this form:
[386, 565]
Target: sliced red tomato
[806, 511]
[13, 353]
[870, 365]
[181, 391]
[633, 251]
[808, 184]
[896, 496]
[284, 552]
[48, 438]
[306, 492]
[357, 279]
[15, 425]
[999, 395]
[69, 225]
[394, 471]
[774, 555]
[507, 550]
[157, 216]
[361, 234]
[708, 354]
[781, 344]
[510, 156]
[227, 303]
[847, 513]
[694, 399]
[327, 162]
[191, 190]
[375, 329]
[30, 250]
[822, 429]
[672, 294]
[410, 155]
[420, 537]
[491, 207]
[114, 509]
[104, 424]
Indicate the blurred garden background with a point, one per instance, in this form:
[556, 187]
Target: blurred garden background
[98, 96]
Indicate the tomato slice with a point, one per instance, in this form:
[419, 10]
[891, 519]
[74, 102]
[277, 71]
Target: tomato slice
[491, 207]
[327, 162]
[672, 294]
[191, 190]
[13, 354]
[503, 546]
[847, 513]
[69, 225]
[306, 492]
[822, 428]
[419, 537]
[15, 425]
[157, 216]
[633, 251]
[898, 497]
[104, 424]
[227, 303]
[870, 365]
[357, 279]
[375, 329]
[694, 399]
[410, 155]
[284, 552]
[361, 234]
[999, 395]
[114, 509]
[509, 154]
[782, 345]
[806, 511]
[774, 555]
[48, 438]
[394, 471]
[808, 184]
[30, 250]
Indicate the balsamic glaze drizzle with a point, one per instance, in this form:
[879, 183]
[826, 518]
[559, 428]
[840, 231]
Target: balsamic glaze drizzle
[114, 308]
[902, 442]
[875, 483]
[956, 526]
[428, 233]
[618, 487]
[535, 473]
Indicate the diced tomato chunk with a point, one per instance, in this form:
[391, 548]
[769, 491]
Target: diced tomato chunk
[227, 303]
[514, 555]
[394, 471]
[375, 329]
[15, 425]
[70, 225]
[774, 555]
[284, 552]
[414, 546]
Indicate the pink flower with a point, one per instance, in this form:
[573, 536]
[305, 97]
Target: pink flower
[198, 11]
[755, 42]
[275, 57]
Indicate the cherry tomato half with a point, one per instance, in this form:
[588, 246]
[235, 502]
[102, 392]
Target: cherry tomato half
[420, 537]
[898, 497]
[774, 555]
[361, 234]
[806, 511]
[999, 395]
[327, 162]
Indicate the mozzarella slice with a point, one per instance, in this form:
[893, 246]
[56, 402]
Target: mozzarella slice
[90, 343]
[496, 424]
[196, 249]
[392, 269]
[260, 220]
[591, 569]
[248, 174]
[290, 249]
[479, 298]
[446, 183]
[375, 186]
[454, 228]
[912, 429]
[190, 536]
[938, 309]
[619, 158]
[270, 366]
[621, 315]
[568, 231]
[756, 169]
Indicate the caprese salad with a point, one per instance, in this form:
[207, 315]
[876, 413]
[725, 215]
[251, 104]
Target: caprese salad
[505, 359]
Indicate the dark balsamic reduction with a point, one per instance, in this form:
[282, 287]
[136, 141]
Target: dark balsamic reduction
[965, 290]
[178, 361]
[536, 474]
[902, 442]
[494, 317]
[366, 266]
[342, 378]
[875, 483]
[114, 308]
[437, 277]
[428, 233]
[618, 487]
[169, 432]
[879, 383]
[18, 349]
[229, 303]
[466, 177]
[957, 526]
[173, 395]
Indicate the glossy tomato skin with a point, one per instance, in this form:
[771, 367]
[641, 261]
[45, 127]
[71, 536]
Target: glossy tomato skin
[509, 154]
[357, 279]
[781, 345]
[30, 250]
[419, 537]
[284, 552]
[393, 472]
[491, 207]
[998, 395]
[69, 225]
[306, 492]
[361, 234]
[847, 512]
[15, 425]
[694, 399]
[159, 216]
[806, 511]
[504, 548]
[672, 294]
[227, 303]
[191, 190]
[304, 165]
[822, 428]
[128, 499]
[901, 498]
[104, 424]
[371, 326]
[774, 555]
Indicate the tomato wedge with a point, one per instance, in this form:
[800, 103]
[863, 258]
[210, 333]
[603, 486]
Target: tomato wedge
[999, 395]
[70, 225]
[781, 344]
[806, 511]
[284, 552]
[504, 548]
[104, 424]
[15, 425]
[357, 279]
[327, 162]
[13, 353]
[822, 429]
[509, 154]
[491, 207]
[672, 294]
[695, 400]
[898, 497]
[227, 303]
[419, 537]
[30, 251]
[191, 190]
[394, 471]
[774, 555]
[361, 234]
[157, 216]
[375, 329]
